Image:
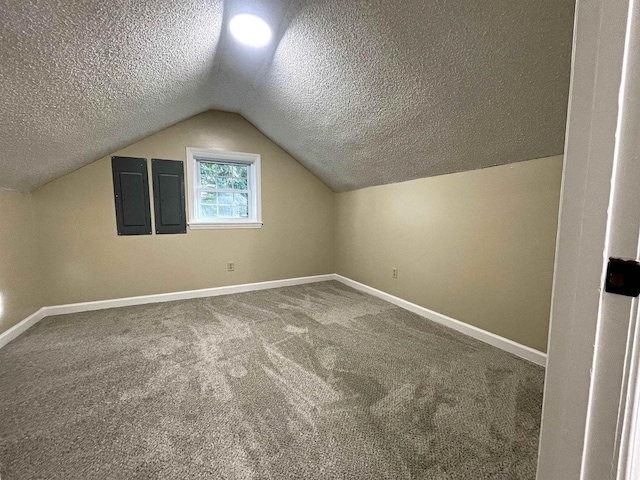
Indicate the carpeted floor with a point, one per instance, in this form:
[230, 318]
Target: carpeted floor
[309, 382]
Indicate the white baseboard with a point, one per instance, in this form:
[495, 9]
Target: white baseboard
[23, 326]
[185, 295]
[28, 322]
[502, 343]
[492, 339]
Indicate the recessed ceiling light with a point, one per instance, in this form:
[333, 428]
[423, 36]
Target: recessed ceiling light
[250, 30]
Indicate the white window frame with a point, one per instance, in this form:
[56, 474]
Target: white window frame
[255, 201]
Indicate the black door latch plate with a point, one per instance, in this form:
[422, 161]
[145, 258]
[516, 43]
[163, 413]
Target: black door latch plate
[623, 277]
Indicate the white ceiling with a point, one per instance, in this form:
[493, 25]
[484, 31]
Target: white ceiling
[361, 93]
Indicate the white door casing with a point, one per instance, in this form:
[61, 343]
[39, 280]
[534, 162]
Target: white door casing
[585, 427]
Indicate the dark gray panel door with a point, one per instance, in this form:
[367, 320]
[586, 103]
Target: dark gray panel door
[168, 196]
[131, 195]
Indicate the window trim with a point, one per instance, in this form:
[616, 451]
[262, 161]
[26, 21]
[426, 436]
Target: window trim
[252, 159]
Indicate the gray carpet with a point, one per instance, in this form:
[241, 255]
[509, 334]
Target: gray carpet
[315, 381]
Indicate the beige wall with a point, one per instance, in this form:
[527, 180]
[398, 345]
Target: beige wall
[85, 259]
[477, 246]
[20, 280]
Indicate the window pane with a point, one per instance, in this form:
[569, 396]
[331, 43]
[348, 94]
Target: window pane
[241, 199]
[208, 204]
[207, 211]
[208, 198]
[224, 182]
[225, 198]
[240, 184]
[240, 171]
[207, 174]
[241, 211]
[225, 210]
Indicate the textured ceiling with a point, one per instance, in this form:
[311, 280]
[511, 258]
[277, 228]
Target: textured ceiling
[361, 93]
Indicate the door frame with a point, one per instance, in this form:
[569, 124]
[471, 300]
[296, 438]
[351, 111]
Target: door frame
[589, 410]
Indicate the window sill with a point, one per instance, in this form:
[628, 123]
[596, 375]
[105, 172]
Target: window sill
[224, 225]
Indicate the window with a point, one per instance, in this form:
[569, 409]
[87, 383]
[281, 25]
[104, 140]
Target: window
[224, 189]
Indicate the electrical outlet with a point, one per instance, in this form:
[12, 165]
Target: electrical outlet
[394, 272]
[231, 266]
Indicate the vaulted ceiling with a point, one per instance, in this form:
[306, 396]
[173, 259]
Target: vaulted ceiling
[361, 93]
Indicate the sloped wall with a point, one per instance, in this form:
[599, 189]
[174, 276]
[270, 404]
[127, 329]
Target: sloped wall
[478, 246]
[20, 279]
[85, 259]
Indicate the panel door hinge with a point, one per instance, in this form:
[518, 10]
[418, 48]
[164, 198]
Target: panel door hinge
[623, 277]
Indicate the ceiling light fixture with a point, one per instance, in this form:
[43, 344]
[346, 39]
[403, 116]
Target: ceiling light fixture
[250, 30]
